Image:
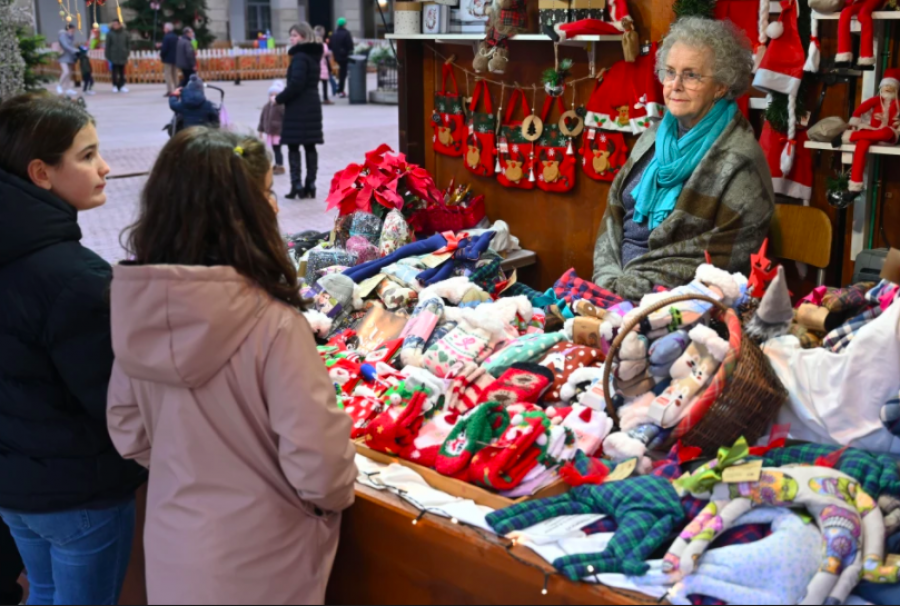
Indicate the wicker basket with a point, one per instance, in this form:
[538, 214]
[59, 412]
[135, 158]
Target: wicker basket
[743, 398]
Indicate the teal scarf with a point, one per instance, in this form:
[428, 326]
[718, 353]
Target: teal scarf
[675, 161]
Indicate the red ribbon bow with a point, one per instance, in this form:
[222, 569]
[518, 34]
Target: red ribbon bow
[453, 242]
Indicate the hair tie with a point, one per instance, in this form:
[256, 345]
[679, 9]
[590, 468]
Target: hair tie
[239, 151]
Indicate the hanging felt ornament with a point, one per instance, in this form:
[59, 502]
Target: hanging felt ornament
[571, 123]
[533, 126]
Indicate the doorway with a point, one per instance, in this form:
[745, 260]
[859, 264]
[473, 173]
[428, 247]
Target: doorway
[320, 13]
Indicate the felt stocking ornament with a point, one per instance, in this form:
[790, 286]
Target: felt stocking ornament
[775, 313]
[590, 427]
[781, 71]
[393, 430]
[523, 383]
[504, 464]
[882, 128]
[470, 435]
[421, 325]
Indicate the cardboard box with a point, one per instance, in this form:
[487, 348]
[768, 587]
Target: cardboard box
[435, 18]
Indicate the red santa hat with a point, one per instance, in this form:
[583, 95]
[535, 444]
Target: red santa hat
[891, 78]
[781, 71]
[618, 12]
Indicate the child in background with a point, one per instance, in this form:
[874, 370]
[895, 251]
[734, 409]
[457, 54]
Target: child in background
[270, 122]
[87, 74]
[192, 105]
[325, 76]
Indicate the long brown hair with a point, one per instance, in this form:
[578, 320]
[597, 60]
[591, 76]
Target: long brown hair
[203, 205]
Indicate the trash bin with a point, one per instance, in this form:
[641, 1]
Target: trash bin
[359, 95]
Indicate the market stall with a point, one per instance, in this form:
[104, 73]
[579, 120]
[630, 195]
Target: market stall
[524, 432]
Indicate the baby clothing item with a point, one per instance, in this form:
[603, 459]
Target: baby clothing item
[691, 373]
[563, 359]
[459, 348]
[774, 570]
[523, 383]
[473, 431]
[421, 325]
[529, 348]
[647, 510]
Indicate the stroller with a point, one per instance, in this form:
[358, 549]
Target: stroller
[202, 111]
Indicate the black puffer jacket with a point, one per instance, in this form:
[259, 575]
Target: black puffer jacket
[55, 361]
[302, 107]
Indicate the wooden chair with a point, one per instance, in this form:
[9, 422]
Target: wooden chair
[802, 233]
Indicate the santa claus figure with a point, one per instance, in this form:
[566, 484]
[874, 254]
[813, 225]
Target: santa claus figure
[862, 10]
[882, 127]
[620, 22]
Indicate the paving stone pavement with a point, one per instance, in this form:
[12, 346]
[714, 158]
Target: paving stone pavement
[129, 126]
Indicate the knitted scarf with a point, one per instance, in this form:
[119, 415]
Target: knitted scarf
[675, 161]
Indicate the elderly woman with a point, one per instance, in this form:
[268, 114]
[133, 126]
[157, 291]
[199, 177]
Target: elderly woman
[698, 180]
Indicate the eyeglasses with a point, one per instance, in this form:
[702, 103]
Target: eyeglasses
[690, 79]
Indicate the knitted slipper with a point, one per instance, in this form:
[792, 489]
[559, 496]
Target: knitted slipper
[362, 410]
[472, 433]
[564, 359]
[426, 446]
[504, 464]
[521, 383]
[417, 331]
[393, 431]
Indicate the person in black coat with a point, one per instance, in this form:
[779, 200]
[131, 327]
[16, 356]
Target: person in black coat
[342, 47]
[65, 493]
[303, 109]
[168, 54]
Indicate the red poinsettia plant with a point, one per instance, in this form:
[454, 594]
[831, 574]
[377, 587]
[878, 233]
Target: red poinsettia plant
[385, 178]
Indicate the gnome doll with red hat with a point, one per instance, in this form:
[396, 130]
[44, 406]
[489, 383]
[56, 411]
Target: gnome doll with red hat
[882, 127]
[620, 22]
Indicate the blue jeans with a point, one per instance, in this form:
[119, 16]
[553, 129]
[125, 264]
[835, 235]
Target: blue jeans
[74, 557]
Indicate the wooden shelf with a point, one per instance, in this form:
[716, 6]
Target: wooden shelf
[878, 15]
[877, 150]
[442, 38]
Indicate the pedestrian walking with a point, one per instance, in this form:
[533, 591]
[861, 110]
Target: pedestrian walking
[186, 56]
[68, 55]
[218, 388]
[87, 72]
[67, 496]
[271, 121]
[326, 64]
[342, 47]
[303, 110]
[168, 53]
[118, 49]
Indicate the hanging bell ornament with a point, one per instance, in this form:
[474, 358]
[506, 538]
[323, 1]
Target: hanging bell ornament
[569, 150]
[498, 168]
[69, 19]
[531, 170]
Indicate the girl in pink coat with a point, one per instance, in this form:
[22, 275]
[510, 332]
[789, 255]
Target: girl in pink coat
[218, 389]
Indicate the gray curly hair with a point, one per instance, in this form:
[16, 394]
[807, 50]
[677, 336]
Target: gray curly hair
[729, 46]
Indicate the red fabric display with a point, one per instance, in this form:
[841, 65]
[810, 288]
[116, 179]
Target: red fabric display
[515, 152]
[883, 126]
[554, 166]
[603, 154]
[394, 430]
[481, 138]
[744, 14]
[448, 119]
[362, 410]
[504, 464]
[797, 183]
[862, 10]
[629, 96]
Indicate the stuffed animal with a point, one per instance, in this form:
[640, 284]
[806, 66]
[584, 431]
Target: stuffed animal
[850, 521]
[506, 19]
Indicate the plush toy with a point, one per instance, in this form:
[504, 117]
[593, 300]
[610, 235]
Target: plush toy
[883, 127]
[775, 313]
[851, 522]
[620, 23]
[862, 9]
[506, 19]
[762, 272]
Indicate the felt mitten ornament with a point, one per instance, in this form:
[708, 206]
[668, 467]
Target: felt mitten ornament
[472, 432]
[691, 373]
[523, 383]
[504, 464]
[393, 431]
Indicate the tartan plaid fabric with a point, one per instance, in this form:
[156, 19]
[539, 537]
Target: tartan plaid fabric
[840, 338]
[522, 290]
[488, 276]
[877, 474]
[647, 510]
[851, 300]
[516, 15]
[571, 288]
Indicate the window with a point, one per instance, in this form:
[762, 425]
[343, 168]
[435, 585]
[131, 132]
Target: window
[259, 18]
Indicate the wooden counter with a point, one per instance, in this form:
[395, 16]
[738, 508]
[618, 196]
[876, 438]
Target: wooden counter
[384, 559]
